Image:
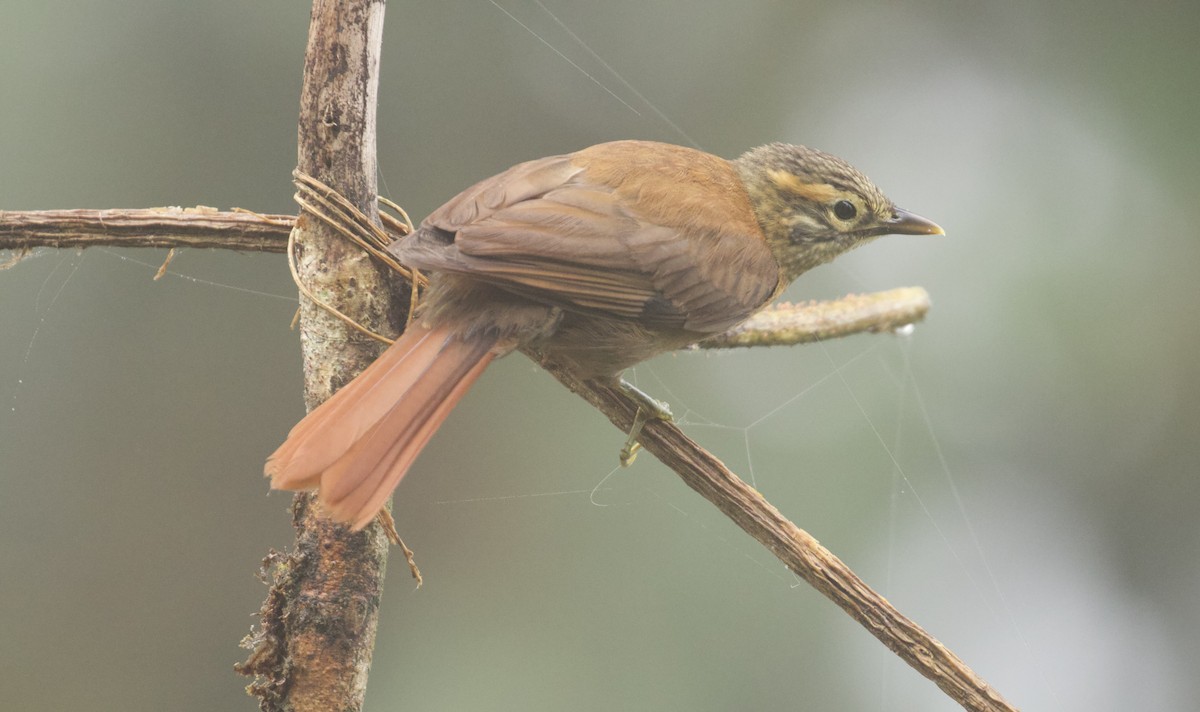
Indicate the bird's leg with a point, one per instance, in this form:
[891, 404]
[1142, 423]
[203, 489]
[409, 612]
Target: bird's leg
[630, 449]
[647, 408]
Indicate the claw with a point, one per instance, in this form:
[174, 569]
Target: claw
[648, 408]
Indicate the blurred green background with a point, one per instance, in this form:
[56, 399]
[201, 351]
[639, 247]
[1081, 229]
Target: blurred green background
[1018, 475]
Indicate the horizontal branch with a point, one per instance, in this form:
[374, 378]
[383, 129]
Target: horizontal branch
[148, 227]
[787, 324]
[796, 548]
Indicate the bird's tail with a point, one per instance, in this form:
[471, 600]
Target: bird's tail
[357, 445]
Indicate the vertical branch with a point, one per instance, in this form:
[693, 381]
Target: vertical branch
[313, 649]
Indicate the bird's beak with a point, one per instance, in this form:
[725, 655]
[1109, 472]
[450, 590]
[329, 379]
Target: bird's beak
[906, 223]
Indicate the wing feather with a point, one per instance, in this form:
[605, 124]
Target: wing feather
[562, 231]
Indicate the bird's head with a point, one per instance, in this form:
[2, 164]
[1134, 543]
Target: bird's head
[813, 206]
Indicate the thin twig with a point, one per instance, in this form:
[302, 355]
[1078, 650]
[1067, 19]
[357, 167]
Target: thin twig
[351, 223]
[341, 215]
[326, 306]
[162, 270]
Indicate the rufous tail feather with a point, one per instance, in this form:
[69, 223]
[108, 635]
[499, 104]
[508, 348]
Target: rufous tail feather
[356, 446]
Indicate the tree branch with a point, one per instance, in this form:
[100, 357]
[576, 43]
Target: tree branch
[150, 227]
[790, 324]
[796, 548]
[313, 649]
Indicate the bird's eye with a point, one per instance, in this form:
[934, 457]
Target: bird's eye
[844, 210]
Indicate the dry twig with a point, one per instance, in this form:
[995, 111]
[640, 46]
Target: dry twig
[796, 548]
[146, 227]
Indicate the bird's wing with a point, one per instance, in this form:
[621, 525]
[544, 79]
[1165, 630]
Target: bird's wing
[580, 233]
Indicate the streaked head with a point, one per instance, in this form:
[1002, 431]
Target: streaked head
[813, 206]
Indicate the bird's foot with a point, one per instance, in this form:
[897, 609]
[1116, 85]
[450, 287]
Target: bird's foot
[648, 408]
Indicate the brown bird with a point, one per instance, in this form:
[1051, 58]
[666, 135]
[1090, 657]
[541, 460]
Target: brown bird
[596, 260]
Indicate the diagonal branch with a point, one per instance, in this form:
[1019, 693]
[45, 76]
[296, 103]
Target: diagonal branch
[796, 548]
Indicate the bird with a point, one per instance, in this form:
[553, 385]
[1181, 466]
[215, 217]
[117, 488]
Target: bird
[594, 261]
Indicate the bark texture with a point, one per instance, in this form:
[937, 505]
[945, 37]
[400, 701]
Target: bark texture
[148, 227]
[313, 648]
